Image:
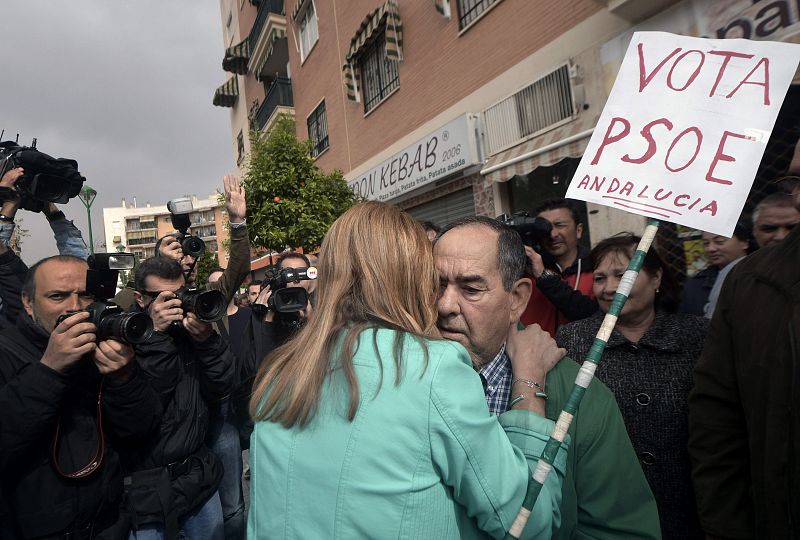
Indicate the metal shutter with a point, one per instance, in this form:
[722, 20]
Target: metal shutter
[445, 209]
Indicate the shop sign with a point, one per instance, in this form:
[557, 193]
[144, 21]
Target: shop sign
[685, 128]
[449, 149]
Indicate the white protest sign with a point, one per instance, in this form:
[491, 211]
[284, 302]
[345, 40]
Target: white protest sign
[685, 127]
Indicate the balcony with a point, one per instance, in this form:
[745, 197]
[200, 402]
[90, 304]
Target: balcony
[279, 95]
[265, 8]
[541, 106]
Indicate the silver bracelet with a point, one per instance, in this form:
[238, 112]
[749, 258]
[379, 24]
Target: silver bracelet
[531, 384]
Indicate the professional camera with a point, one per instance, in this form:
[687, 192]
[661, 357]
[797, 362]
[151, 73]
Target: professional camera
[209, 306]
[179, 210]
[110, 319]
[285, 299]
[46, 179]
[533, 230]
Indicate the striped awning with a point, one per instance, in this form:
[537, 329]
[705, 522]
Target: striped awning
[388, 14]
[227, 94]
[443, 7]
[276, 56]
[236, 58]
[298, 7]
[569, 140]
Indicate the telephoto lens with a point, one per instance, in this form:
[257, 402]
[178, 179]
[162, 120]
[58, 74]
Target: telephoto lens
[113, 322]
[209, 306]
[131, 328]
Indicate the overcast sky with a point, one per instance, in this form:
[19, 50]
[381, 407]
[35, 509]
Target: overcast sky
[125, 88]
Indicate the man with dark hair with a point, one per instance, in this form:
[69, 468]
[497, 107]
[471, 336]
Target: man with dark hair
[238, 263]
[70, 404]
[774, 218]
[253, 288]
[744, 426]
[483, 292]
[175, 477]
[562, 289]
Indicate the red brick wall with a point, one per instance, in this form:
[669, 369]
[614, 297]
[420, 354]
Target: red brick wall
[439, 68]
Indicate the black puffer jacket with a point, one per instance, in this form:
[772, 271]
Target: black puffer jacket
[186, 375]
[33, 398]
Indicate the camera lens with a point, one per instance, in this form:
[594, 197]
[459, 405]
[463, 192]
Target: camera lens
[135, 327]
[128, 327]
[193, 246]
[209, 306]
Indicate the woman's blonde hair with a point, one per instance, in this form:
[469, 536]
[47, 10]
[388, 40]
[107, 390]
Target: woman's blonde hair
[376, 270]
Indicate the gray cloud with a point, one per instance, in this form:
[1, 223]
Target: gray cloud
[125, 88]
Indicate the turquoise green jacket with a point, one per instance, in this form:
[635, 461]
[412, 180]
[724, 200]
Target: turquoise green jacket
[422, 459]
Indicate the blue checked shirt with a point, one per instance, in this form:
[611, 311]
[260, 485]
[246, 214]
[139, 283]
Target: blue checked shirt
[497, 377]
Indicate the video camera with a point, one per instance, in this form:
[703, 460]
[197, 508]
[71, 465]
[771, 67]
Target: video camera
[45, 178]
[179, 210]
[285, 299]
[533, 230]
[209, 306]
[110, 319]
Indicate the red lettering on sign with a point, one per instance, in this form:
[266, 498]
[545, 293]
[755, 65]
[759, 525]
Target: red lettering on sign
[610, 139]
[721, 156]
[651, 143]
[764, 83]
[694, 74]
[698, 134]
[727, 55]
[644, 78]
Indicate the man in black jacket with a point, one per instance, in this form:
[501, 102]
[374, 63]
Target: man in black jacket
[174, 486]
[69, 404]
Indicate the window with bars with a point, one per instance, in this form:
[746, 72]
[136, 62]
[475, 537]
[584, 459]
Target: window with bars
[317, 123]
[379, 75]
[309, 31]
[469, 10]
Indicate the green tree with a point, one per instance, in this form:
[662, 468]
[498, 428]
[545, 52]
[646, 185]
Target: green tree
[290, 201]
[205, 264]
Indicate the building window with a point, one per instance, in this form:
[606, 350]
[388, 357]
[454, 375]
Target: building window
[240, 147]
[318, 130]
[309, 32]
[469, 10]
[379, 75]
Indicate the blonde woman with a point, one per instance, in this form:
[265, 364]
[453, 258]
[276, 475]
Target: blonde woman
[369, 425]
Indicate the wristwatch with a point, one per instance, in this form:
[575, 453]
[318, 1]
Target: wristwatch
[547, 274]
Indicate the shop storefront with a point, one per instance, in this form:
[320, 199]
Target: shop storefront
[432, 178]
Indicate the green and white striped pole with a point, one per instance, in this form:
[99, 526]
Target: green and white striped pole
[584, 377]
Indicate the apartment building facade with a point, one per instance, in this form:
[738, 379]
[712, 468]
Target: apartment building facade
[256, 58]
[136, 229]
[449, 108]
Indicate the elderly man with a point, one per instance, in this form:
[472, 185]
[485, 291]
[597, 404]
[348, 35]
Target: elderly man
[774, 218]
[481, 264]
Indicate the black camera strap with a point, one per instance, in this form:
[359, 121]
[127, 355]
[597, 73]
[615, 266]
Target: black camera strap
[100, 449]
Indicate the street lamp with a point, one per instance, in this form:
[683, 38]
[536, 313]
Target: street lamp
[87, 196]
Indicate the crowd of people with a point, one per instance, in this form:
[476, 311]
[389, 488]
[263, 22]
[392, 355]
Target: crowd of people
[407, 392]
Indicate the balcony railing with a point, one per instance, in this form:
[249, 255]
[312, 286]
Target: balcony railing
[264, 9]
[280, 94]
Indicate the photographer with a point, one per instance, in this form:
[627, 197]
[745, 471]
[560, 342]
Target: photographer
[562, 290]
[239, 261]
[174, 484]
[69, 403]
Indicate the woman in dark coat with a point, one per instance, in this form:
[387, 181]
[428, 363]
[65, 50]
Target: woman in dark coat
[648, 365]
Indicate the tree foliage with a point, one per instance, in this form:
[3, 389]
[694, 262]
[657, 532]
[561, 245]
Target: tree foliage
[290, 201]
[205, 264]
